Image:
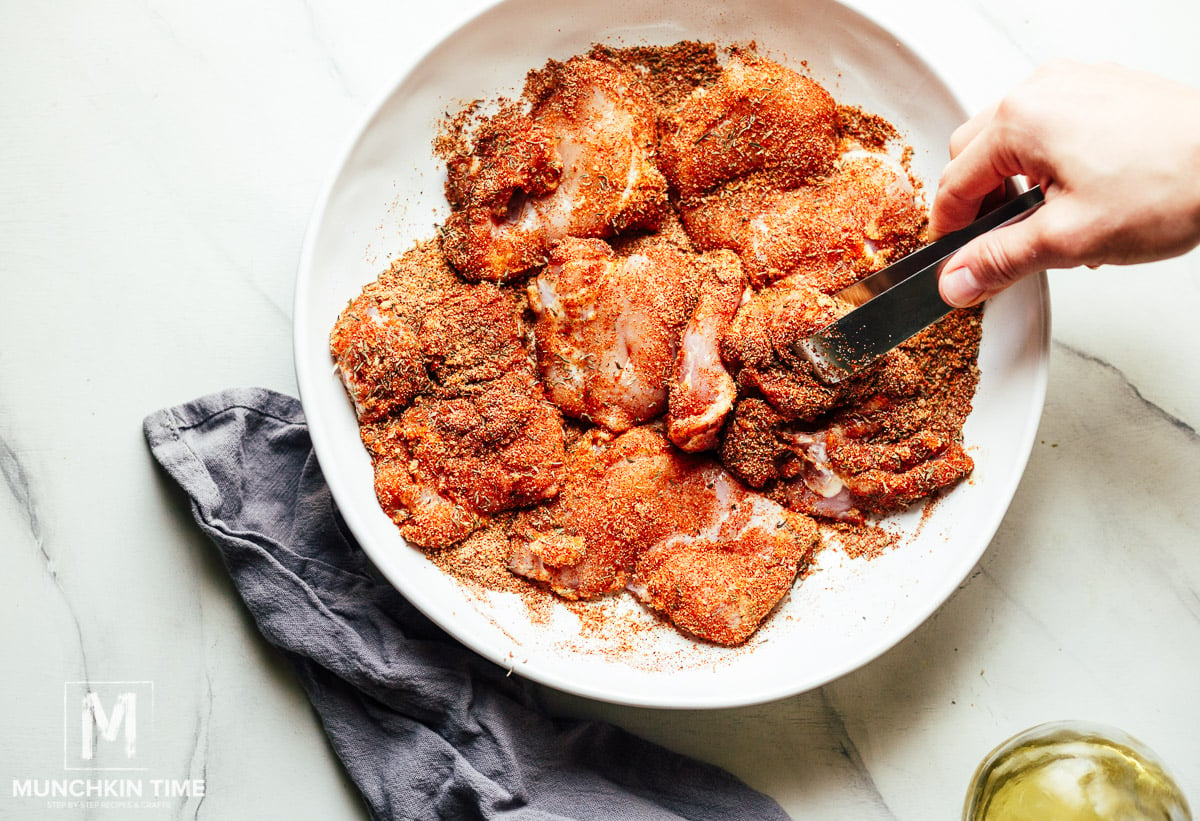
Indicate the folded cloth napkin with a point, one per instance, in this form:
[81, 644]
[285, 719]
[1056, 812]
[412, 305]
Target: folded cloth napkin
[426, 728]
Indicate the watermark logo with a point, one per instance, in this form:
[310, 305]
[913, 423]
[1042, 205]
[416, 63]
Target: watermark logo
[107, 725]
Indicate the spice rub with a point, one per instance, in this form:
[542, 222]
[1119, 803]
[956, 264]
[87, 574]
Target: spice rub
[448, 399]
[586, 383]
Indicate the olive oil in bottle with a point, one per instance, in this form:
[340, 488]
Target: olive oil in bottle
[1069, 771]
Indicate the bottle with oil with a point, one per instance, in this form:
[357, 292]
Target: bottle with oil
[1072, 771]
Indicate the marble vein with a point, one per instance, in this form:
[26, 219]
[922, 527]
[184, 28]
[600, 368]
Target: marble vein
[1061, 643]
[1190, 600]
[200, 737]
[849, 751]
[1159, 411]
[1014, 602]
[17, 480]
[1186, 595]
[20, 487]
[1062, 646]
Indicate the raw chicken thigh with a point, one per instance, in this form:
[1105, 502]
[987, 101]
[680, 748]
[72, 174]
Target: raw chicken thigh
[844, 470]
[759, 347]
[448, 399]
[678, 531]
[830, 232]
[608, 328]
[758, 116]
[587, 171]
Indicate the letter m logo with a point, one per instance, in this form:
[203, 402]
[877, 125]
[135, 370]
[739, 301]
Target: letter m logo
[94, 719]
[108, 730]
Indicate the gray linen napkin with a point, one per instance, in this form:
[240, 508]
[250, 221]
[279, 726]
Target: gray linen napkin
[426, 728]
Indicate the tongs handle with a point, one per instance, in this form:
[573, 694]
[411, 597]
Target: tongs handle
[941, 249]
[899, 301]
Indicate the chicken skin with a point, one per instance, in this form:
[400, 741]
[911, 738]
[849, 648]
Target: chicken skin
[608, 328]
[759, 116]
[587, 172]
[451, 411]
[677, 530]
[831, 231]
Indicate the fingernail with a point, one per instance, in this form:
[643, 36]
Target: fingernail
[960, 288]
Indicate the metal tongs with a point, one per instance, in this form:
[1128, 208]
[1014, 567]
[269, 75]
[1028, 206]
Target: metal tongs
[899, 301]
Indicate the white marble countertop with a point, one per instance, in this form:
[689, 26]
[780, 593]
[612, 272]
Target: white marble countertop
[159, 164]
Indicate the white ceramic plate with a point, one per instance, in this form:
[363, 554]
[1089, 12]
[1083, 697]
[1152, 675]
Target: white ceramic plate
[387, 192]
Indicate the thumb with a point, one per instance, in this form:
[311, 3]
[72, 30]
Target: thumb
[989, 264]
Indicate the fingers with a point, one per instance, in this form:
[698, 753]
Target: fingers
[969, 130]
[991, 263]
[949, 212]
[965, 182]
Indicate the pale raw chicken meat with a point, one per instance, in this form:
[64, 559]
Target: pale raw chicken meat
[607, 328]
[759, 116]
[702, 391]
[590, 174]
[677, 530]
[831, 232]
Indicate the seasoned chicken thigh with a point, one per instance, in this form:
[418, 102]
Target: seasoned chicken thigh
[374, 343]
[512, 156]
[898, 441]
[420, 329]
[720, 583]
[608, 328]
[835, 473]
[445, 464]
[831, 232]
[759, 347]
[759, 116]
[677, 530]
[588, 172]
[451, 411]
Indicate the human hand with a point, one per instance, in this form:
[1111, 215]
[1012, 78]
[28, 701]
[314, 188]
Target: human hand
[1117, 153]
